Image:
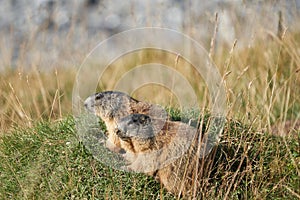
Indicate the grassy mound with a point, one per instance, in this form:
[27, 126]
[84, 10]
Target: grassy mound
[49, 162]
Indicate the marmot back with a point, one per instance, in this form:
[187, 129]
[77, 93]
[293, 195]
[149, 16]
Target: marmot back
[112, 105]
[172, 153]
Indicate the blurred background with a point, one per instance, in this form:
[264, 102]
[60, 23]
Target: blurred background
[49, 30]
[255, 45]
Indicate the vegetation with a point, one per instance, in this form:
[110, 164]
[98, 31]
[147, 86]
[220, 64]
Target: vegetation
[42, 157]
[48, 161]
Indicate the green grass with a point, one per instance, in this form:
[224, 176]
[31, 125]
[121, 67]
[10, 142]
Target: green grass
[49, 162]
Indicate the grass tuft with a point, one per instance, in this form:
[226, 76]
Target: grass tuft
[48, 161]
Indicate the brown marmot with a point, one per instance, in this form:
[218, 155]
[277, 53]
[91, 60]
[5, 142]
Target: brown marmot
[113, 105]
[289, 127]
[171, 153]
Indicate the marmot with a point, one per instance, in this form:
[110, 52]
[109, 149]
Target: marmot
[171, 154]
[112, 105]
[289, 127]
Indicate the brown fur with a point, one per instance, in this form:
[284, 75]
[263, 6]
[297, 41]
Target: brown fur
[111, 106]
[171, 154]
[287, 128]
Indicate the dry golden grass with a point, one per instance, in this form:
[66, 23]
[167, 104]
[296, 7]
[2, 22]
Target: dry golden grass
[262, 84]
[30, 96]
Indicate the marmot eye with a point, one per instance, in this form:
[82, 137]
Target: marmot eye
[134, 118]
[99, 96]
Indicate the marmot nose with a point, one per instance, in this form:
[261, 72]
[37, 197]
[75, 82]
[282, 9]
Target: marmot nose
[86, 103]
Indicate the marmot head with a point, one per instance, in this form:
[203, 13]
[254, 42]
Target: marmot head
[135, 126]
[109, 104]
